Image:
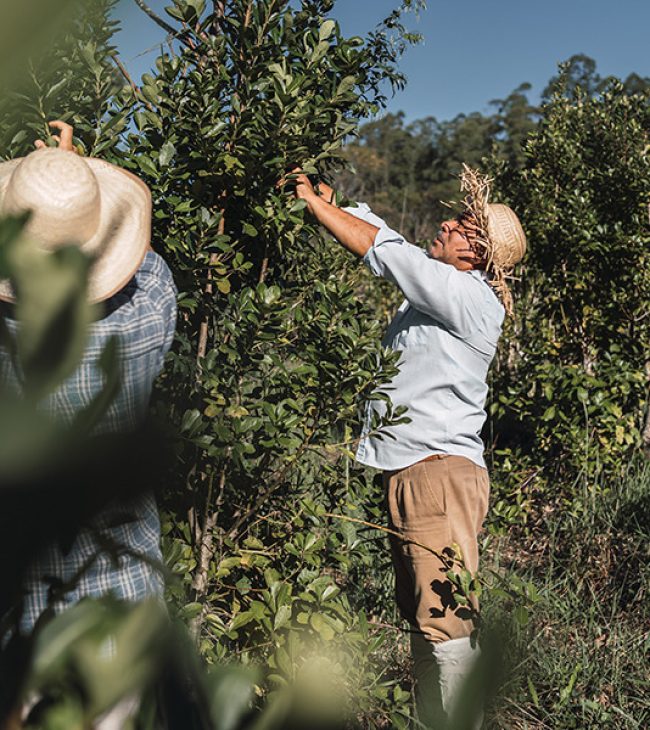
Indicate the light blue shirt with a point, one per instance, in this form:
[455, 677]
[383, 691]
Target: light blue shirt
[447, 331]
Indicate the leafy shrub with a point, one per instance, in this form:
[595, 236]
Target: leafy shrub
[570, 387]
[275, 349]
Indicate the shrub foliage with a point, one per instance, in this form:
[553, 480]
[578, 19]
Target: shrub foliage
[275, 348]
[268, 531]
[570, 386]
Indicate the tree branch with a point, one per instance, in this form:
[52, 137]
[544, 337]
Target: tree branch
[156, 19]
[125, 73]
[133, 85]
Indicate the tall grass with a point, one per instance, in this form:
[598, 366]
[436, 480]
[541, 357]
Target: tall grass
[582, 661]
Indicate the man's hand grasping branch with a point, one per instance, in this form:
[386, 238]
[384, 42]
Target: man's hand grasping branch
[64, 140]
[353, 233]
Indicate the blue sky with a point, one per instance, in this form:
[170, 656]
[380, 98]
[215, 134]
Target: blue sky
[473, 50]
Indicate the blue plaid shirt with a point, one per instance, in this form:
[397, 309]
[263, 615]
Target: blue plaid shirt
[143, 317]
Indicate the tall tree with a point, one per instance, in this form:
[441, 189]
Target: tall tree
[514, 121]
[635, 84]
[577, 73]
[275, 350]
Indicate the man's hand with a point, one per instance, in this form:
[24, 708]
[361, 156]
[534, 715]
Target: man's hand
[327, 193]
[64, 139]
[304, 188]
[353, 233]
[300, 185]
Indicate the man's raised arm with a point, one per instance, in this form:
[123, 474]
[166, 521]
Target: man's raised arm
[355, 234]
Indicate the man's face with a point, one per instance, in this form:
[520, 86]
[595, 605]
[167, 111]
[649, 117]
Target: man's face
[455, 245]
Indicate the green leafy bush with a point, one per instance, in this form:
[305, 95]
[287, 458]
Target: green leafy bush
[570, 386]
[275, 349]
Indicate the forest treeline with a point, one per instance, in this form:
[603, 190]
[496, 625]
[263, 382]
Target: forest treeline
[406, 169]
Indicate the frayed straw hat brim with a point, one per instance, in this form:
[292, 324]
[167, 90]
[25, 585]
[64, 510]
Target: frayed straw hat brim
[123, 233]
[501, 236]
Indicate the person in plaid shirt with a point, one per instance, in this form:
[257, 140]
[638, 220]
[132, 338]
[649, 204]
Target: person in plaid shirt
[108, 211]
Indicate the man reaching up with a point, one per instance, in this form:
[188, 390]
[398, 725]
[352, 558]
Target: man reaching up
[435, 477]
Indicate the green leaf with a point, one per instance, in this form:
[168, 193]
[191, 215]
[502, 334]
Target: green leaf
[326, 30]
[319, 624]
[53, 312]
[191, 610]
[223, 285]
[231, 692]
[241, 619]
[521, 615]
[109, 364]
[191, 418]
[533, 691]
[198, 5]
[282, 617]
[167, 151]
[298, 206]
[150, 93]
[147, 166]
[549, 413]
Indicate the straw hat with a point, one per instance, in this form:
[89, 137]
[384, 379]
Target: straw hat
[106, 211]
[500, 232]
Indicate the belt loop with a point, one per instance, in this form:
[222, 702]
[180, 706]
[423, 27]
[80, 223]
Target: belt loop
[432, 457]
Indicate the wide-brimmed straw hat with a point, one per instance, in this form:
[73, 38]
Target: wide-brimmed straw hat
[104, 210]
[500, 233]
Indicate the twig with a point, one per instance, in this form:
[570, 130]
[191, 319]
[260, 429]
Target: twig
[263, 270]
[156, 19]
[125, 73]
[275, 485]
[205, 541]
[441, 556]
[390, 627]
[132, 84]
[208, 291]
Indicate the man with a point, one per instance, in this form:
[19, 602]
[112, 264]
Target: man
[107, 212]
[436, 482]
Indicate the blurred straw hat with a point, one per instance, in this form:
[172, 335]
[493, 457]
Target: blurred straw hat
[501, 234]
[106, 211]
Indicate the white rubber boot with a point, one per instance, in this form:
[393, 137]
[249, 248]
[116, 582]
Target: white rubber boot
[440, 671]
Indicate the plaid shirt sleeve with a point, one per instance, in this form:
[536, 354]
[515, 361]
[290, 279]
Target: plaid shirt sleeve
[156, 283]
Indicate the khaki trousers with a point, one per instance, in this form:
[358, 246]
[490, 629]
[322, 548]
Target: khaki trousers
[438, 503]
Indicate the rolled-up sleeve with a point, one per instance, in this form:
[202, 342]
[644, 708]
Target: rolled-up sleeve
[453, 298]
[362, 211]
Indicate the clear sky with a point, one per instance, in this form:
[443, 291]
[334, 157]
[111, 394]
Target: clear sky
[473, 50]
